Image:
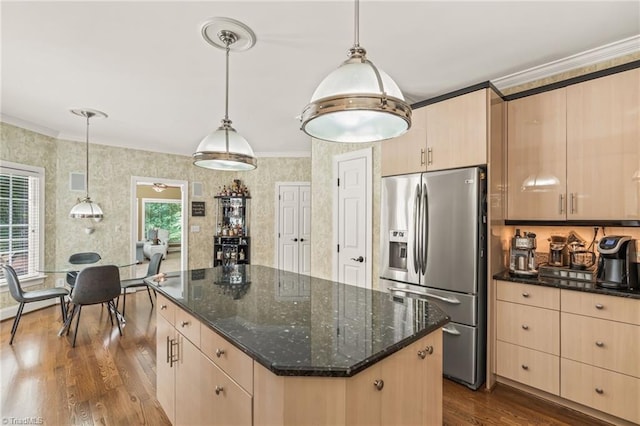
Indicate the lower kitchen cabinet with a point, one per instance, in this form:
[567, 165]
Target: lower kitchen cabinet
[403, 389]
[530, 367]
[165, 375]
[223, 401]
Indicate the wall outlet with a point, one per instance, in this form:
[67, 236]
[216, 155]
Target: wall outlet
[59, 282]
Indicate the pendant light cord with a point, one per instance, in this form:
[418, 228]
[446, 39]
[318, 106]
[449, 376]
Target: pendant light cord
[87, 154]
[356, 35]
[226, 99]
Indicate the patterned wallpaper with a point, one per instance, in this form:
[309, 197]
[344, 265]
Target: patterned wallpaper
[110, 172]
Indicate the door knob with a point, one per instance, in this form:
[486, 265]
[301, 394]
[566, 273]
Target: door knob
[301, 239]
[359, 259]
[294, 239]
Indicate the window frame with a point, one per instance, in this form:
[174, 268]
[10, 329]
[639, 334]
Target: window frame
[7, 167]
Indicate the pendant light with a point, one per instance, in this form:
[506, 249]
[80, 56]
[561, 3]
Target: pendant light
[85, 207]
[357, 102]
[224, 148]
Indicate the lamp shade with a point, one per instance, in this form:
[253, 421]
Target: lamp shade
[86, 209]
[225, 149]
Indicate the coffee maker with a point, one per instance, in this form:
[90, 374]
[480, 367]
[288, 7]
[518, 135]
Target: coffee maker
[522, 259]
[557, 250]
[618, 263]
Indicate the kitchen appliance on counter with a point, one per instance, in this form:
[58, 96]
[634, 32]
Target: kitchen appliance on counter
[522, 256]
[557, 250]
[432, 246]
[618, 266]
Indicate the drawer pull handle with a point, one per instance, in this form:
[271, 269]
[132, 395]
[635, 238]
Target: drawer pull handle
[525, 294]
[184, 323]
[426, 351]
[599, 391]
[525, 367]
[599, 344]
[525, 327]
[599, 306]
[379, 384]
[219, 389]
[163, 307]
[219, 352]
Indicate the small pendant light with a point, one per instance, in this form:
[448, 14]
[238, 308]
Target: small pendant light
[357, 102]
[85, 207]
[224, 148]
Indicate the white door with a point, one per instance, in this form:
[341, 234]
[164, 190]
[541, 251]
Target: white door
[294, 228]
[354, 217]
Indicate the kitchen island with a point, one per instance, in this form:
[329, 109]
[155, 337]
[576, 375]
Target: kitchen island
[256, 345]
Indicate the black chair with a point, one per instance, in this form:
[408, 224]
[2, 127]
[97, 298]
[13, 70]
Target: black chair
[153, 269]
[83, 258]
[24, 297]
[94, 285]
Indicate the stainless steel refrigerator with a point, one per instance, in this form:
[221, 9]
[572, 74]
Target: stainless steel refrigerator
[433, 245]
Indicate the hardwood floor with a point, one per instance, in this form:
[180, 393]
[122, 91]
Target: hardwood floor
[110, 380]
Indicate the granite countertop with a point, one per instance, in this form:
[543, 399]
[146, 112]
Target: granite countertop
[297, 325]
[589, 286]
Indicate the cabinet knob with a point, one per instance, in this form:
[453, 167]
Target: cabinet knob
[525, 327]
[599, 344]
[184, 323]
[599, 391]
[525, 367]
[219, 352]
[599, 306]
[219, 389]
[379, 384]
[163, 307]
[426, 351]
[525, 294]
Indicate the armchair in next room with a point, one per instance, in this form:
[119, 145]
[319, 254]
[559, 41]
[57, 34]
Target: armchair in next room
[158, 243]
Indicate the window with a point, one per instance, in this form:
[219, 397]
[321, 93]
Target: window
[163, 214]
[22, 217]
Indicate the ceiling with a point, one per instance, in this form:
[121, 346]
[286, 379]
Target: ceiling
[145, 64]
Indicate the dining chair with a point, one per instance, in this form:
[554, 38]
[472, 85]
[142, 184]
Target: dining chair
[82, 258]
[152, 269]
[23, 297]
[94, 285]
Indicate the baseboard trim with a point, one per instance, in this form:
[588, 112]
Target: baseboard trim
[11, 311]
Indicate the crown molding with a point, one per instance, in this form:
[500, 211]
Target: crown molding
[27, 125]
[588, 57]
[283, 154]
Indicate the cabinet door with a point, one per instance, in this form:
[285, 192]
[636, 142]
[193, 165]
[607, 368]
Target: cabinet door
[413, 374]
[603, 148]
[536, 155]
[188, 384]
[407, 153]
[224, 403]
[165, 373]
[457, 131]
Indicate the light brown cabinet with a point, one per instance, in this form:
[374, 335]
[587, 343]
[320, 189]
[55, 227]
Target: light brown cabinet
[403, 389]
[444, 135]
[528, 335]
[573, 153]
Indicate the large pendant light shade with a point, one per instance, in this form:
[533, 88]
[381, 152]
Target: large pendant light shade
[224, 148]
[87, 209]
[357, 102]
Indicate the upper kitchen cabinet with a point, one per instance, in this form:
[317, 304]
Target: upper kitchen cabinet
[603, 148]
[407, 153]
[444, 135]
[536, 157]
[457, 131]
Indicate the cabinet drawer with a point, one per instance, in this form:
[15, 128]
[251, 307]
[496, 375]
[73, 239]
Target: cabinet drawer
[534, 328]
[188, 326]
[604, 390]
[614, 308]
[527, 294]
[226, 402]
[607, 344]
[166, 309]
[533, 368]
[230, 359]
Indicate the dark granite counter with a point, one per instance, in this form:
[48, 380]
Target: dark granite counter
[296, 325]
[579, 285]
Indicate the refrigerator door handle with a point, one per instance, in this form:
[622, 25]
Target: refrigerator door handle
[450, 300]
[425, 224]
[449, 329]
[416, 208]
